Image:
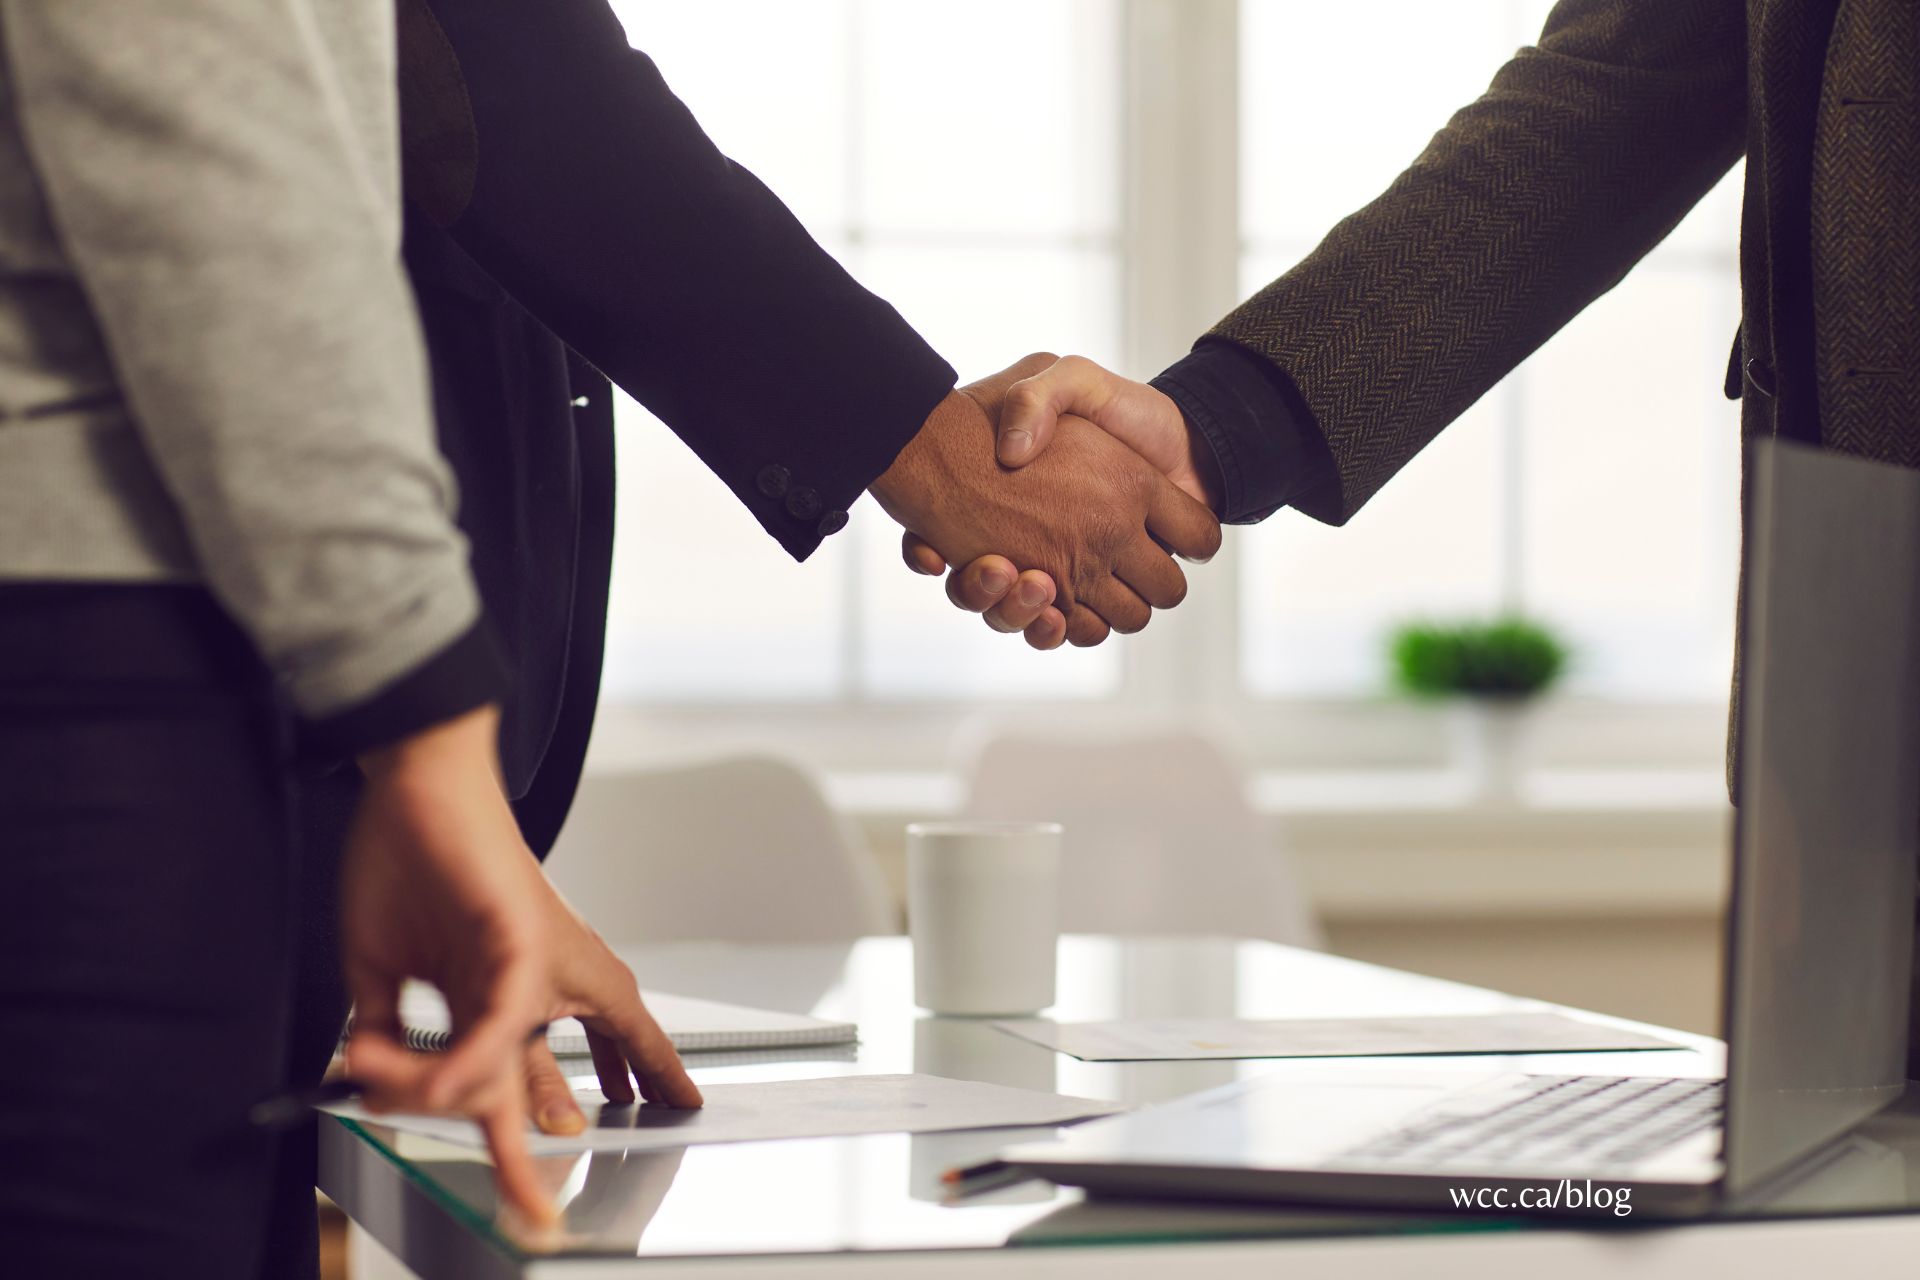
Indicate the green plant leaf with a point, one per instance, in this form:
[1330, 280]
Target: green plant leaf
[1506, 657]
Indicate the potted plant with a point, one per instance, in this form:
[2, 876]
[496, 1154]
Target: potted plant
[1491, 670]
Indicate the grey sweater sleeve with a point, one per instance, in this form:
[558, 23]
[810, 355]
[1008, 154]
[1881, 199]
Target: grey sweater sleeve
[239, 248]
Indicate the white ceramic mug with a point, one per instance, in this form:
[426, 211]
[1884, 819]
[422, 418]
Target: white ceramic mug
[983, 906]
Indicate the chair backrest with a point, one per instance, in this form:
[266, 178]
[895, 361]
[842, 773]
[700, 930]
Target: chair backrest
[740, 850]
[1160, 837]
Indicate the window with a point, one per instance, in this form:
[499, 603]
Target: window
[970, 180]
[1542, 497]
[972, 163]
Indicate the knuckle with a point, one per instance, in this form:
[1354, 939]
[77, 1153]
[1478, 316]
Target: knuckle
[1025, 396]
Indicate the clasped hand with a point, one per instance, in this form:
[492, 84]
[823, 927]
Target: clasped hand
[1066, 546]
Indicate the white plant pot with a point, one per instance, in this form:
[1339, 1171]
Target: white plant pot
[1492, 737]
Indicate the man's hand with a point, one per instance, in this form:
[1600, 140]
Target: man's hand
[1093, 516]
[1140, 416]
[438, 885]
[589, 982]
[1030, 412]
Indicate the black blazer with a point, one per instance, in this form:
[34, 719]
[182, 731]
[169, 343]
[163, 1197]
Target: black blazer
[563, 201]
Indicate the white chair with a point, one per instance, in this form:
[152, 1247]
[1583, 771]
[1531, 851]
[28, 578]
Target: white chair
[737, 850]
[1160, 837]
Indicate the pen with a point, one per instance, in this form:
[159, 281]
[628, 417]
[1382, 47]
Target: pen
[289, 1109]
[988, 1175]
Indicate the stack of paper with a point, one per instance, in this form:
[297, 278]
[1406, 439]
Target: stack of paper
[694, 1026]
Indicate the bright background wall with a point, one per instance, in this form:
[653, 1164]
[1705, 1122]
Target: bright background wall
[1107, 177]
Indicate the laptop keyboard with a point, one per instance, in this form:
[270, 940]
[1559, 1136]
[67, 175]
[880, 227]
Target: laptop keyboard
[1551, 1121]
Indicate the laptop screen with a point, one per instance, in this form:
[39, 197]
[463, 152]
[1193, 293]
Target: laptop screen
[1828, 817]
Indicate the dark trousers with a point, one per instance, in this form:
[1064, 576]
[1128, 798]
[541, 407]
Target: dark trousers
[152, 941]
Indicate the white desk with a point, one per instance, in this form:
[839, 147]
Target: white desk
[823, 1207]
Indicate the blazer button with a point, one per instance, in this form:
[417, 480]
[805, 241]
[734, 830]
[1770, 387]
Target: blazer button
[1759, 376]
[772, 480]
[803, 503]
[832, 523]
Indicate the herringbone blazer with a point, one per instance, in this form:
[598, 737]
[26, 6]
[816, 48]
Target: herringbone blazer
[1584, 153]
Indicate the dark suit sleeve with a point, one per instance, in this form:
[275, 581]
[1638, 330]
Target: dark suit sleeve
[1269, 449]
[562, 163]
[1532, 202]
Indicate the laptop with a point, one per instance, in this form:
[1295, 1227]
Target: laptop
[1817, 953]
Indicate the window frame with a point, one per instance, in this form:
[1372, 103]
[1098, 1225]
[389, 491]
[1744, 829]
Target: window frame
[1181, 247]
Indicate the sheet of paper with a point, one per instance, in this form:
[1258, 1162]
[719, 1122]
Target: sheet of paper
[1159, 1039]
[831, 1107]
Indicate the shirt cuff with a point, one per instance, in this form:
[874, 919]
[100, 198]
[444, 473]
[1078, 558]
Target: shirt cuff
[1262, 433]
[467, 674]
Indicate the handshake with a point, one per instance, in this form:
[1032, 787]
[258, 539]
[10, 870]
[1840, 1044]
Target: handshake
[1060, 492]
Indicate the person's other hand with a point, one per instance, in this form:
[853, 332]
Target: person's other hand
[589, 982]
[1093, 516]
[1028, 410]
[438, 885]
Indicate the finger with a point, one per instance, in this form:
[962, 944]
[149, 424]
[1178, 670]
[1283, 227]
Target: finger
[486, 1039]
[1151, 572]
[648, 1091]
[1084, 627]
[391, 1077]
[1034, 405]
[1184, 526]
[376, 1001]
[466, 1068]
[992, 389]
[505, 1128]
[1048, 631]
[1031, 595]
[920, 557]
[616, 1086]
[662, 1076]
[982, 584]
[549, 1097]
[1118, 604]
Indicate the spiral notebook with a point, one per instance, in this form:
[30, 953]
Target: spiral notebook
[694, 1026]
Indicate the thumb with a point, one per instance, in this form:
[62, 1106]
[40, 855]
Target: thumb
[1033, 406]
[549, 1096]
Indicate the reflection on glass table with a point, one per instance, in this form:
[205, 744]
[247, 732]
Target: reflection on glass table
[883, 1193]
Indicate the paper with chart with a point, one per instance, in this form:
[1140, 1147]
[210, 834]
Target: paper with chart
[1169, 1039]
[834, 1106]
